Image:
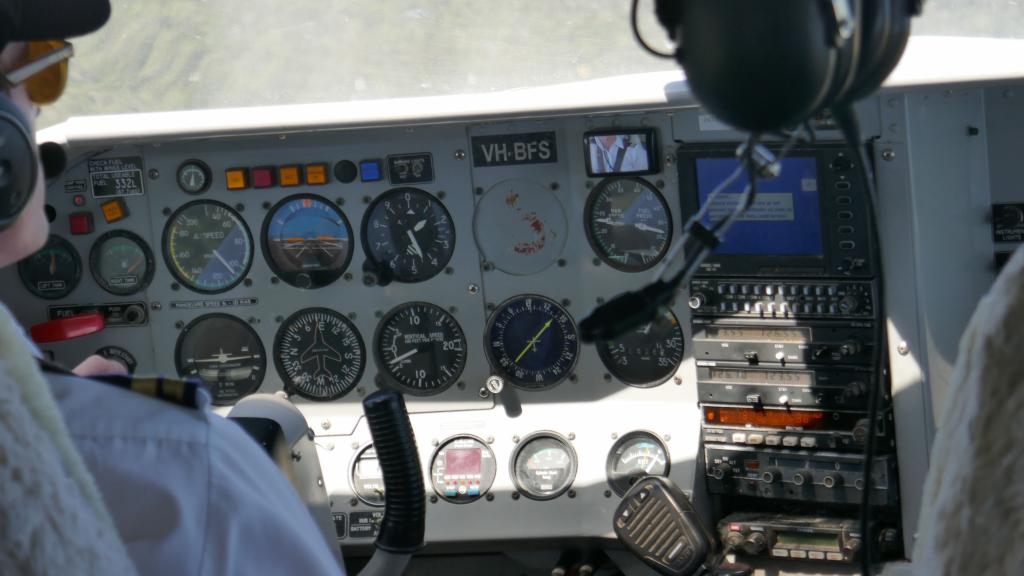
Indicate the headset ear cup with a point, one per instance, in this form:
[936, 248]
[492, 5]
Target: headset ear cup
[18, 169]
[886, 31]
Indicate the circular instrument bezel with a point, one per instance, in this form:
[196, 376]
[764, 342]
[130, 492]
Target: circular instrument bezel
[573, 461]
[506, 375]
[289, 386]
[605, 354]
[203, 167]
[386, 374]
[322, 278]
[588, 223]
[169, 260]
[53, 241]
[95, 256]
[620, 484]
[195, 322]
[382, 266]
[352, 476]
[483, 489]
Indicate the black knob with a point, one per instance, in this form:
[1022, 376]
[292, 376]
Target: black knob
[821, 352]
[861, 430]
[754, 544]
[849, 348]
[721, 472]
[855, 390]
[801, 478]
[832, 480]
[751, 356]
[851, 547]
[848, 304]
[889, 541]
[770, 476]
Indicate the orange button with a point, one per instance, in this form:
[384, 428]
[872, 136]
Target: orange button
[114, 210]
[316, 174]
[289, 176]
[237, 178]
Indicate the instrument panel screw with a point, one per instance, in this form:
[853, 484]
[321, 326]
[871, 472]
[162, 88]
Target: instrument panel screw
[348, 276]
[596, 261]
[668, 437]
[495, 384]
[489, 497]
[154, 174]
[378, 314]
[561, 262]
[339, 201]
[253, 320]
[353, 502]
[515, 439]
[573, 378]
[175, 286]
[490, 439]
[554, 185]
[156, 306]
[572, 436]
[678, 381]
[572, 493]
[278, 319]
[366, 199]
[488, 266]
[247, 282]
[351, 315]
[903, 348]
[479, 191]
[888, 155]
[179, 324]
[607, 377]
[599, 300]
[433, 498]
[266, 205]
[460, 385]
[360, 391]
[449, 270]
[240, 207]
[566, 302]
[483, 393]
[435, 443]
[275, 280]
[669, 160]
[659, 183]
[515, 495]
[452, 310]
[608, 493]
[325, 424]
[460, 154]
[491, 306]
[166, 211]
[473, 289]
[441, 194]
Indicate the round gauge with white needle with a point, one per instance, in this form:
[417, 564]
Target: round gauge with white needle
[543, 466]
[121, 262]
[408, 236]
[225, 353]
[628, 223]
[53, 271]
[319, 354]
[647, 355]
[194, 177]
[307, 241]
[420, 348]
[634, 456]
[207, 246]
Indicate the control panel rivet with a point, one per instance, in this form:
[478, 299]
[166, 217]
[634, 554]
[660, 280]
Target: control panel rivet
[615, 435]
[561, 262]
[353, 502]
[179, 324]
[669, 160]
[572, 493]
[166, 211]
[275, 280]
[566, 302]
[490, 439]
[659, 183]
[460, 385]
[572, 436]
[573, 378]
[240, 207]
[156, 306]
[441, 194]
[668, 437]
[360, 391]
[903, 348]
[554, 185]
[483, 393]
[355, 445]
[479, 191]
[254, 320]
[515, 439]
[607, 493]
[339, 201]
[154, 174]
[473, 289]
[435, 443]
[378, 314]
[433, 499]
[266, 205]
[515, 495]
[449, 270]
[247, 282]
[888, 155]
[330, 446]
[366, 199]
[325, 424]
[278, 319]
[607, 377]
[460, 154]
[175, 286]
[596, 261]
[489, 497]
[348, 276]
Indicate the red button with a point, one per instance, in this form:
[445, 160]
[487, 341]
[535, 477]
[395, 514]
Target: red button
[262, 177]
[80, 223]
[67, 328]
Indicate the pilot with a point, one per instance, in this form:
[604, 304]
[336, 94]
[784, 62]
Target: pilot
[188, 491]
[613, 153]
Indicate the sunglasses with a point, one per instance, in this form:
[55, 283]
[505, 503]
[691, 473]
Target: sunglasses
[43, 70]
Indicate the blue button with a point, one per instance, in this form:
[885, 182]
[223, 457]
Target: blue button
[474, 490]
[370, 170]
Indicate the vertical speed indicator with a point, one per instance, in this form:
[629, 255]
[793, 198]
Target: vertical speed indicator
[532, 342]
[421, 348]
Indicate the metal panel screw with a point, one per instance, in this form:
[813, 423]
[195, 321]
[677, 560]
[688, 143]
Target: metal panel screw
[154, 174]
[903, 348]
[473, 289]
[325, 424]
[888, 155]
[460, 154]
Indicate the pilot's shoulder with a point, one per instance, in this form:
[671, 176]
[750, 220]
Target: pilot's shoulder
[132, 407]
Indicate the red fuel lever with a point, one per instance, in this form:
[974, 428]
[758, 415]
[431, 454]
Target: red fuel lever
[68, 328]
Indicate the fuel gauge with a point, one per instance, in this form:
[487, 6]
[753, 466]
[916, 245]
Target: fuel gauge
[121, 262]
[54, 271]
[634, 456]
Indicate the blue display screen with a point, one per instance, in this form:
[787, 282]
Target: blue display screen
[785, 217]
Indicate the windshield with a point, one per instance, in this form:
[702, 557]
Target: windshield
[158, 55]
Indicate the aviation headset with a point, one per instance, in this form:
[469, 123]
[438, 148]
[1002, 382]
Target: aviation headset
[18, 162]
[766, 65]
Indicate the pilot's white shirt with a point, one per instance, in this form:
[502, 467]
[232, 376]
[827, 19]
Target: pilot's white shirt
[634, 159]
[189, 491]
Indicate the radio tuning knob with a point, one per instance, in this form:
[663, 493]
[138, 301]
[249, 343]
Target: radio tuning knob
[889, 541]
[784, 400]
[849, 348]
[770, 476]
[855, 390]
[733, 540]
[801, 478]
[697, 301]
[851, 547]
[848, 305]
[861, 430]
[754, 544]
[721, 472]
[832, 480]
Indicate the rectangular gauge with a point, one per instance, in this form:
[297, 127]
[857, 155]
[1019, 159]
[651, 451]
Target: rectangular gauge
[462, 461]
[116, 177]
[773, 377]
[410, 168]
[623, 151]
